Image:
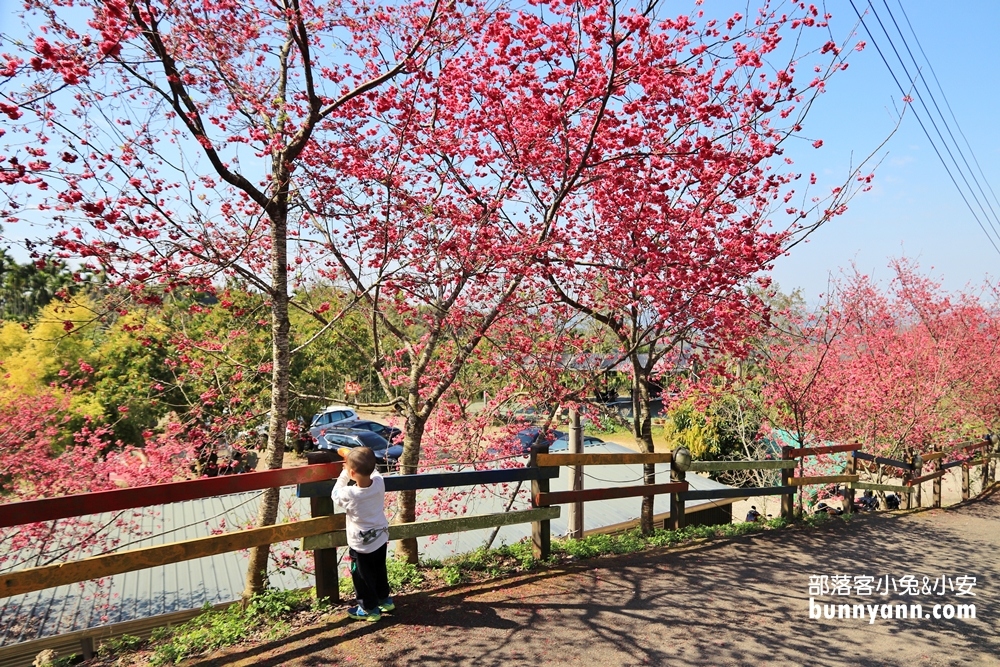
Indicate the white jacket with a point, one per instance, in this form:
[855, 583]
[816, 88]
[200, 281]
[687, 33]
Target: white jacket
[367, 527]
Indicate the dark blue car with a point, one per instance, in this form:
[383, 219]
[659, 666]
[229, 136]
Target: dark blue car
[529, 436]
[390, 433]
[386, 455]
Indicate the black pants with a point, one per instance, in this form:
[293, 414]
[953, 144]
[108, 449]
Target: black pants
[371, 582]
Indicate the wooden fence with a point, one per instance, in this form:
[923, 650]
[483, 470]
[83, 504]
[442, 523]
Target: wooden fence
[324, 532]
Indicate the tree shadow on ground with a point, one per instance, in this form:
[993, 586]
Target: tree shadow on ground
[724, 602]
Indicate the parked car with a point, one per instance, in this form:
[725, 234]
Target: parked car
[390, 433]
[530, 436]
[562, 442]
[333, 416]
[386, 455]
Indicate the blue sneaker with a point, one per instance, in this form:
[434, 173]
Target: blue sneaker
[386, 605]
[358, 613]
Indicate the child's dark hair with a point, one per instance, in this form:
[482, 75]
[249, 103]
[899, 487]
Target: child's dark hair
[361, 460]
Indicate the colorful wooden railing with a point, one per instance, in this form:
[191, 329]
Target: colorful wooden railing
[64, 507]
[324, 532]
[936, 458]
[324, 545]
[50, 509]
[680, 466]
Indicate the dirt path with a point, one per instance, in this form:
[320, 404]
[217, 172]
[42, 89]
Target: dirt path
[732, 602]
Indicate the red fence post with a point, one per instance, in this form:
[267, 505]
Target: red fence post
[324, 560]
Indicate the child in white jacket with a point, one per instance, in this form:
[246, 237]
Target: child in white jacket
[367, 532]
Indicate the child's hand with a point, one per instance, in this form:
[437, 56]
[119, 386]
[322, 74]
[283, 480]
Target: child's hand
[343, 452]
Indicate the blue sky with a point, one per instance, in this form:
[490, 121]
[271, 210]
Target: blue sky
[913, 209]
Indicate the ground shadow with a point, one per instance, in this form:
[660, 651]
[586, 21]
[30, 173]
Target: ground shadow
[737, 601]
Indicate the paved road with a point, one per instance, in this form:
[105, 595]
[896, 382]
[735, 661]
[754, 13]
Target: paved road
[727, 602]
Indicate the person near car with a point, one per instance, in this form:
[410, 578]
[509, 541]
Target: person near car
[367, 532]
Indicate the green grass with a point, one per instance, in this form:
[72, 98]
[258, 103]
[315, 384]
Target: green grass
[518, 557]
[123, 644]
[267, 614]
[613, 427]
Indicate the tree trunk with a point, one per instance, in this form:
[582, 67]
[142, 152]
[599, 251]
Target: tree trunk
[267, 512]
[642, 429]
[407, 507]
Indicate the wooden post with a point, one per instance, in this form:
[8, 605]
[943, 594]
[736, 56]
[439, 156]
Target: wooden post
[965, 481]
[852, 469]
[787, 499]
[87, 647]
[324, 560]
[907, 476]
[676, 502]
[917, 470]
[541, 531]
[987, 467]
[575, 475]
[990, 474]
[936, 485]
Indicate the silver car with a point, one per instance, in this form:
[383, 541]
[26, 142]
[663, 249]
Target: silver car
[335, 415]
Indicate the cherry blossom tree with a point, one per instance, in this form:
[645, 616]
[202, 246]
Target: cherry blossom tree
[908, 356]
[601, 151]
[446, 165]
[39, 462]
[900, 368]
[797, 357]
[164, 139]
[670, 225]
[978, 399]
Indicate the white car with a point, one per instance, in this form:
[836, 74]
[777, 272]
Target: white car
[335, 415]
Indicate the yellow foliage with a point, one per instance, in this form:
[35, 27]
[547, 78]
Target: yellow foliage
[32, 359]
[86, 405]
[688, 427]
[13, 338]
[694, 437]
